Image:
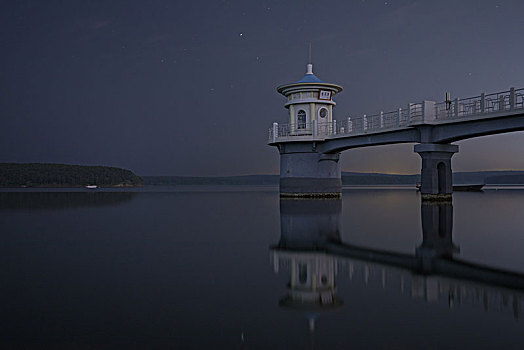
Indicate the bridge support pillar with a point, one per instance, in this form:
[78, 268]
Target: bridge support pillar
[436, 175]
[304, 172]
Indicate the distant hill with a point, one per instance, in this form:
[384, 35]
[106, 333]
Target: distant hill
[64, 175]
[348, 179]
[512, 179]
[487, 177]
[355, 179]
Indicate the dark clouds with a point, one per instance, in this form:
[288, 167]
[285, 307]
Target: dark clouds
[188, 88]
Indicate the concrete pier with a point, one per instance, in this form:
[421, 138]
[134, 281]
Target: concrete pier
[436, 174]
[307, 173]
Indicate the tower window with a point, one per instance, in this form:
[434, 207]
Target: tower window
[323, 112]
[301, 119]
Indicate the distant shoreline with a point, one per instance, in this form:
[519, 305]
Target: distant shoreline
[505, 177]
[42, 175]
[72, 186]
[224, 188]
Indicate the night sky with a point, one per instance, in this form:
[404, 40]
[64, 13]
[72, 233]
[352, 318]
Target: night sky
[189, 87]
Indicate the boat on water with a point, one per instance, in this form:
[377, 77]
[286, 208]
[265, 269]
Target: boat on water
[463, 188]
[91, 186]
[470, 187]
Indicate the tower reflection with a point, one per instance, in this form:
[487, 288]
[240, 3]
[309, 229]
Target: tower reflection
[307, 226]
[311, 251]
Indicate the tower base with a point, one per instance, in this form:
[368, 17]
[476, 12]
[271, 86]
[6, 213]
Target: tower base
[305, 173]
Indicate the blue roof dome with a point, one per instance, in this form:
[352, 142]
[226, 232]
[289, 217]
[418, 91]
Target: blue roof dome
[310, 78]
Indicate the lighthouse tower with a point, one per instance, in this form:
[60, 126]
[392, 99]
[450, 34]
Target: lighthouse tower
[310, 103]
[304, 170]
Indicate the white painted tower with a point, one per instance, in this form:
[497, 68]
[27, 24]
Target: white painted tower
[305, 172]
[310, 103]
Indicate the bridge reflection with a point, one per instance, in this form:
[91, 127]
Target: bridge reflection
[312, 252]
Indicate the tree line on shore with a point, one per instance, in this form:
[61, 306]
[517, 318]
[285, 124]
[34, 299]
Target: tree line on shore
[64, 175]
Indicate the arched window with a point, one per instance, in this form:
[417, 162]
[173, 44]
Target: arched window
[301, 119]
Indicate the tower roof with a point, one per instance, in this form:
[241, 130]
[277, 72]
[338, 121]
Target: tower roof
[308, 80]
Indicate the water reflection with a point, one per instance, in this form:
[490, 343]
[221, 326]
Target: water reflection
[61, 200]
[311, 251]
[306, 228]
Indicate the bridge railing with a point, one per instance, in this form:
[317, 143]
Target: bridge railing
[478, 105]
[373, 123]
[519, 96]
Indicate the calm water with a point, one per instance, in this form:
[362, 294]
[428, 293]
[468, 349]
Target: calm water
[238, 268]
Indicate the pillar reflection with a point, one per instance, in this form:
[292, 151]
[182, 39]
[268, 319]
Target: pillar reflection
[437, 233]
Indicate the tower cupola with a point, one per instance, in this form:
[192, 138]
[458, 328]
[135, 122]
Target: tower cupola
[310, 102]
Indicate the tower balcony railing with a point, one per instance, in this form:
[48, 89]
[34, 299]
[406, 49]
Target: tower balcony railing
[426, 112]
[300, 130]
[350, 126]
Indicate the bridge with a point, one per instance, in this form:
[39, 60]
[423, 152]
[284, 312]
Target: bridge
[310, 144]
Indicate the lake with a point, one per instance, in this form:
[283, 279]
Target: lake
[236, 267]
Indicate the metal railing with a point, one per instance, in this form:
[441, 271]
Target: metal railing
[415, 113]
[479, 105]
